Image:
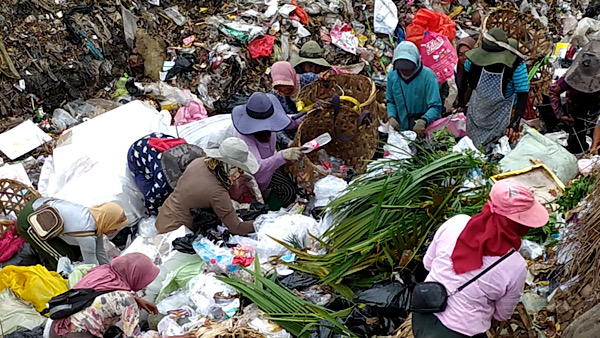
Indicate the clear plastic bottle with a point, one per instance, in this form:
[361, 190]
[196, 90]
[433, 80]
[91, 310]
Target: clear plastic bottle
[318, 142]
[324, 159]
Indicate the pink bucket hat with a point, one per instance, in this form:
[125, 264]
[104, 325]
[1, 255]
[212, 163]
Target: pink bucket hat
[514, 201]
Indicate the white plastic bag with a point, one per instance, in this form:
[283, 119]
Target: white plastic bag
[146, 227]
[386, 17]
[398, 146]
[327, 188]
[530, 250]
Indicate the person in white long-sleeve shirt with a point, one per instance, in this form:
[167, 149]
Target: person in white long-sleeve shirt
[82, 236]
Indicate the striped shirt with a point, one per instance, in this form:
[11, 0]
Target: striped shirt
[519, 82]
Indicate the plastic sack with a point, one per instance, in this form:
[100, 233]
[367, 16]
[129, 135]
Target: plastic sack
[16, 314]
[439, 55]
[61, 119]
[342, 37]
[398, 145]
[33, 284]
[194, 111]
[426, 19]
[536, 146]
[456, 124]
[78, 273]
[261, 47]
[180, 277]
[327, 188]
[386, 17]
[213, 129]
[147, 228]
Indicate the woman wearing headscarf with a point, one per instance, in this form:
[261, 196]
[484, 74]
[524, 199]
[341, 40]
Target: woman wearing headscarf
[124, 275]
[257, 123]
[156, 161]
[582, 86]
[463, 247]
[82, 236]
[205, 184]
[413, 95]
[496, 74]
[464, 94]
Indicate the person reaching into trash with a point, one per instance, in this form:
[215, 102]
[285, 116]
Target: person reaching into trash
[464, 93]
[480, 250]
[205, 184]
[257, 123]
[413, 95]
[80, 237]
[496, 74]
[156, 161]
[582, 86]
[118, 306]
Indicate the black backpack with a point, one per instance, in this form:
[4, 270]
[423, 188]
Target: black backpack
[71, 302]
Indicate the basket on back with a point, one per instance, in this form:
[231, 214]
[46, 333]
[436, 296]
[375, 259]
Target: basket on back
[354, 140]
[359, 87]
[535, 42]
[14, 195]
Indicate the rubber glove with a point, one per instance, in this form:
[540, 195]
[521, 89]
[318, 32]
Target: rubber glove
[292, 154]
[393, 123]
[420, 126]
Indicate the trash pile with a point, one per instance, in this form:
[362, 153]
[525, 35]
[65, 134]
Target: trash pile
[106, 106]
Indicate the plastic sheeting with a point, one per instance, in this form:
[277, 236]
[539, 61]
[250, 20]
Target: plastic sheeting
[33, 284]
[181, 276]
[89, 164]
[536, 146]
[16, 314]
[215, 128]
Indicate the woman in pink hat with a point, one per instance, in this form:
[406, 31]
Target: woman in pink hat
[464, 247]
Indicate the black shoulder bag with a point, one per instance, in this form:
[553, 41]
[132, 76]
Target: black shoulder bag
[432, 297]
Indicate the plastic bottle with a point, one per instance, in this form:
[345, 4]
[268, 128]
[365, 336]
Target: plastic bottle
[318, 142]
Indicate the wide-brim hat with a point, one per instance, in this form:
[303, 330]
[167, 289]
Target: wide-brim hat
[495, 48]
[310, 52]
[233, 151]
[175, 160]
[584, 74]
[262, 112]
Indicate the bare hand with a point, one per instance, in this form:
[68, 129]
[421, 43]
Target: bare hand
[146, 305]
[513, 136]
[324, 75]
[568, 120]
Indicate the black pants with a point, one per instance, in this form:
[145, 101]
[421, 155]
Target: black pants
[429, 326]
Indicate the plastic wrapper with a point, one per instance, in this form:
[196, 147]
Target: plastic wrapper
[33, 284]
[16, 314]
[175, 15]
[327, 188]
[179, 277]
[285, 47]
[268, 329]
[342, 37]
[129, 26]
[218, 259]
[531, 250]
[62, 119]
[398, 145]
[147, 228]
[158, 248]
[386, 17]
[587, 165]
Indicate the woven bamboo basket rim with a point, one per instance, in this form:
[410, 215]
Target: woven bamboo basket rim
[14, 195]
[352, 77]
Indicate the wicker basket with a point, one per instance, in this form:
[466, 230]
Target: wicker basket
[535, 43]
[355, 152]
[14, 195]
[359, 87]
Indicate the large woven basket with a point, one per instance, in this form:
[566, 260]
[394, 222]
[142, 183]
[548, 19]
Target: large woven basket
[355, 153]
[535, 43]
[14, 195]
[359, 87]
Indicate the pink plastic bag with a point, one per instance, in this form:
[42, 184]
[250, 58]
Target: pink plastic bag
[194, 111]
[457, 124]
[438, 54]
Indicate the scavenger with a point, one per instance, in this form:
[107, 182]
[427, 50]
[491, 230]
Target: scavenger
[205, 184]
[58, 228]
[413, 96]
[257, 123]
[156, 162]
[475, 257]
[582, 109]
[496, 74]
[116, 305]
[463, 46]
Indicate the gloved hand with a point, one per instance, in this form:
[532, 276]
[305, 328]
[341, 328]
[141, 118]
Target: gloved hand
[292, 154]
[393, 123]
[420, 126]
